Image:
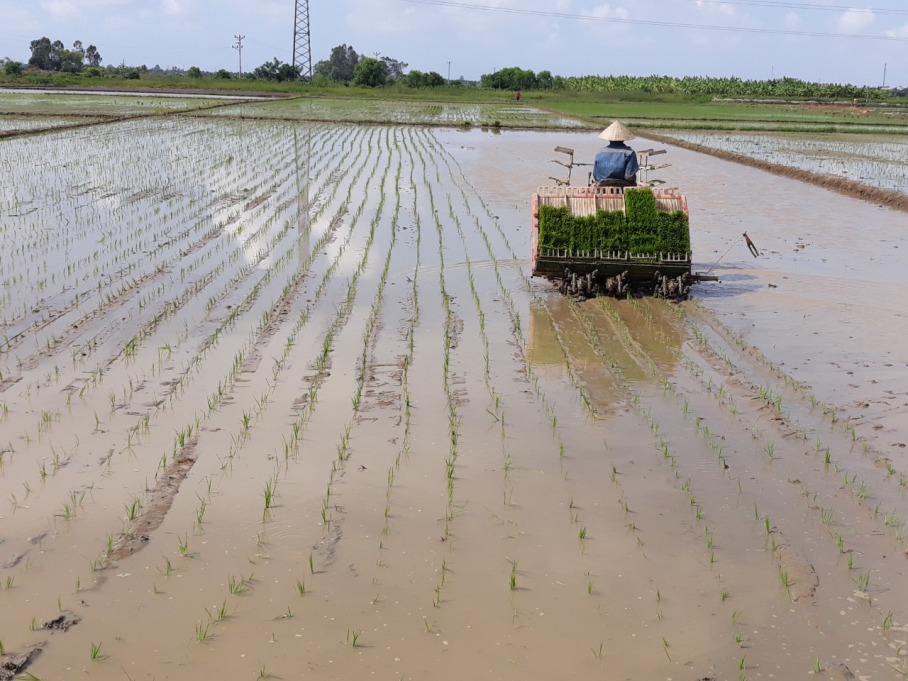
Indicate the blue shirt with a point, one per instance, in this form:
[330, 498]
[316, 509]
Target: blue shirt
[617, 161]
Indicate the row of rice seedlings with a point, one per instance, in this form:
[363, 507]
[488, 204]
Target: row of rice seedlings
[292, 446]
[127, 346]
[766, 395]
[797, 387]
[343, 450]
[169, 245]
[414, 308]
[173, 306]
[709, 537]
[271, 485]
[225, 385]
[862, 581]
[185, 252]
[547, 405]
[448, 343]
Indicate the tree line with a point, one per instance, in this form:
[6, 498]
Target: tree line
[783, 88]
[50, 55]
[346, 66]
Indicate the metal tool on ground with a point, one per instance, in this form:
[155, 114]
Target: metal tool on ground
[750, 246]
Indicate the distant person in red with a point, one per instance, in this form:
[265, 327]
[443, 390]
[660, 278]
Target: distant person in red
[518, 96]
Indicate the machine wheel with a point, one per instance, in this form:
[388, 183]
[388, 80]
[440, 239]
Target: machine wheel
[580, 287]
[671, 288]
[616, 287]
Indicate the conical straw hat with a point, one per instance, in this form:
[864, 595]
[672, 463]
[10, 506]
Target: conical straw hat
[617, 132]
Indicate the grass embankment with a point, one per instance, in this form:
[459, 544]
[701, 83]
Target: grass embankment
[641, 229]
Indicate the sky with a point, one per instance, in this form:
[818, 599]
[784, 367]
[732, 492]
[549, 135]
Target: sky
[566, 37]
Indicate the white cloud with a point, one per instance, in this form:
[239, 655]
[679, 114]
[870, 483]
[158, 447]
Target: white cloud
[792, 21]
[607, 12]
[68, 10]
[856, 20]
[60, 10]
[172, 7]
[716, 8]
[900, 32]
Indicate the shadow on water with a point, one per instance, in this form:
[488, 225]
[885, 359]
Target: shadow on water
[729, 286]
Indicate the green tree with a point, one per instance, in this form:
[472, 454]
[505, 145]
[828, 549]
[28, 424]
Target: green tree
[194, 72]
[512, 78]
[370, 72]
[53, 56]
[12, 68]
[434, 79]
[44, 54]
[394, 68]
[276, 71]
[340, 66]
[223, 74]
[93, 56]
[415, 79]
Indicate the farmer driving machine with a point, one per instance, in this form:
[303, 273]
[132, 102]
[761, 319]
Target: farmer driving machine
[603, 239]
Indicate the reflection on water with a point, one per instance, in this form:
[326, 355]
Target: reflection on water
[543, 349]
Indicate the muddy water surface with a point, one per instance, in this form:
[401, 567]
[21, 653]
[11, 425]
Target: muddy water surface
[303, 417]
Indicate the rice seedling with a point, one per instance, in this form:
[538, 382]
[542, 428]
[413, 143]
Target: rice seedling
[285, 616]
[353, 637]
[95, 653]
[183, 545]
[887, 621]
[597, 652]
[301, 587]
[863, 581]
[201, 633]
[817, 666]
[238, 585]
[269, 493]
[826, 516]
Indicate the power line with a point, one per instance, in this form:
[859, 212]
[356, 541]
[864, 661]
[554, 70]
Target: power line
[807, 6]
[650, 22]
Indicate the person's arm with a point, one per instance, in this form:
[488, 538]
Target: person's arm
[630, 170]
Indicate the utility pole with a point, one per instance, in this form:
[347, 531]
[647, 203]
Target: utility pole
[449, 72]
[239, 48]
[302, 40]
[885, 66]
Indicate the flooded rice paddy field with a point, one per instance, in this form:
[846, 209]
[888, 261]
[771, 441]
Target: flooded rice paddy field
[15, 123]
[425, 113]
[879, 161]
[98, 104]
[830, 126]
[282, 401]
